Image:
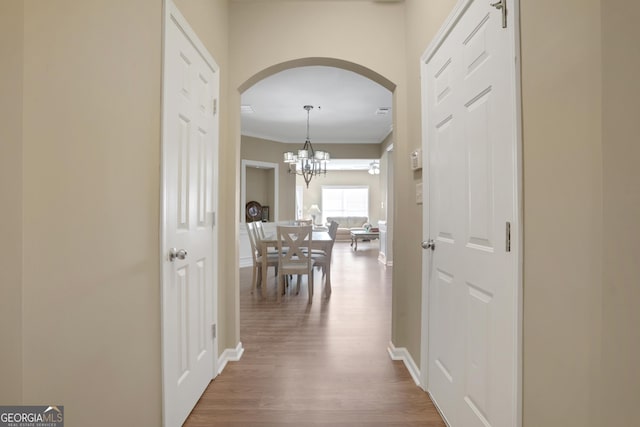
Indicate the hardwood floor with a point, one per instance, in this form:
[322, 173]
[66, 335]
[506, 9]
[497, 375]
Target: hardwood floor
[321, 364]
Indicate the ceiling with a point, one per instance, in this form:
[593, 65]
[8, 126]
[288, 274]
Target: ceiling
[348, 108]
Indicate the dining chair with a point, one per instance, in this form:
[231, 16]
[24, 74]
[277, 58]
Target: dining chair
[259, 229]
[261, 235]
[258, 258]
[322, 258]
[294, 256]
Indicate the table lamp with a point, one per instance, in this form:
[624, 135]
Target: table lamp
[314, 211]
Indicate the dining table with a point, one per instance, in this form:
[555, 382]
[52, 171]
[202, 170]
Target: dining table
[320, 240]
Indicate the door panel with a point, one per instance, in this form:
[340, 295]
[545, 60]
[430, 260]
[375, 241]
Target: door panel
[470, 143]
[189, 150]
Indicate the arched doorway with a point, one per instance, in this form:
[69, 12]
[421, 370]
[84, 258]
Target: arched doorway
[383, 151]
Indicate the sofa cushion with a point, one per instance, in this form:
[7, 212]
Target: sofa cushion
[346, 224]
[349, 221]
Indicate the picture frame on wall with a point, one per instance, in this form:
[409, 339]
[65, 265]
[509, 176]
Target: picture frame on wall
[265, 214]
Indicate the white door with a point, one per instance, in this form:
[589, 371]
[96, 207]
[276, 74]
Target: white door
[190, 141]
[472, 274]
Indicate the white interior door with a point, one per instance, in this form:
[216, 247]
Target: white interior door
[190, 141]
[472, 274]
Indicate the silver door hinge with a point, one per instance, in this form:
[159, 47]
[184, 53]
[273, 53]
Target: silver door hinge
[213, 219]
[215, 106]
[502, 5]
[508, 238]
[213, 330]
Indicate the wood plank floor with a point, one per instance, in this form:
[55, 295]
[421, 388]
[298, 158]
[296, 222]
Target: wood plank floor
[318, 365]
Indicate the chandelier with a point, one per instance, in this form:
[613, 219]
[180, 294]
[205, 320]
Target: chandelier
[307, 162]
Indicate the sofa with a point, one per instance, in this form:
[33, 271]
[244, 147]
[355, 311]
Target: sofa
[346, 224]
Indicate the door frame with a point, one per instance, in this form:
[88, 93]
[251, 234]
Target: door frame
[513, 7]
[172, 16]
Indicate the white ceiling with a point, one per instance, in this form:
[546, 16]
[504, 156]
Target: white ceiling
[345, 107]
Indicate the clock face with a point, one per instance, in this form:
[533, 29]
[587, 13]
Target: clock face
[254, 211]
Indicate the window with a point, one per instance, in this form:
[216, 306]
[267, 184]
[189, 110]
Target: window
[345, 201]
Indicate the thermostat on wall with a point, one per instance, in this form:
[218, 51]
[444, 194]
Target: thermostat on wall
[416, 159]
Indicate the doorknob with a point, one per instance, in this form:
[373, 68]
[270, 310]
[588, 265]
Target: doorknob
[177, 253]
[429, 244]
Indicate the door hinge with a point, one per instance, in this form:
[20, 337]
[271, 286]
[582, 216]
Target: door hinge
[508, 237]
[502, 5]
[213, 331]
[213, 219]
[215, 106]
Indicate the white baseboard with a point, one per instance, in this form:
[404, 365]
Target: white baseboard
[245, 262]
[401, 353]
[230, 355]
[382, 258]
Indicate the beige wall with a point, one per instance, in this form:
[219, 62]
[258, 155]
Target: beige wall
[561, 93]
[424, 18]
[313, 194]
[621, 246]
[262, 150]
[260, 185]
[11, 51]
[91, 330]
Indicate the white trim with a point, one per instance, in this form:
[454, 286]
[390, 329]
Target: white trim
[513, 26]
[401, 353]
[442, 415]
[517, 231]
[424, 307]
[243, 186]
[246, 261]
[382, 259]
[230, 355]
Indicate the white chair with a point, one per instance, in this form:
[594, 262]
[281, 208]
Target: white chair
[294, 256]
[259, 229]
[322, 258]
[261, 236]
[258, 258]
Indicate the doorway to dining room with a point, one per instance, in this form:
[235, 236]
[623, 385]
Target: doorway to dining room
[353, 121]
